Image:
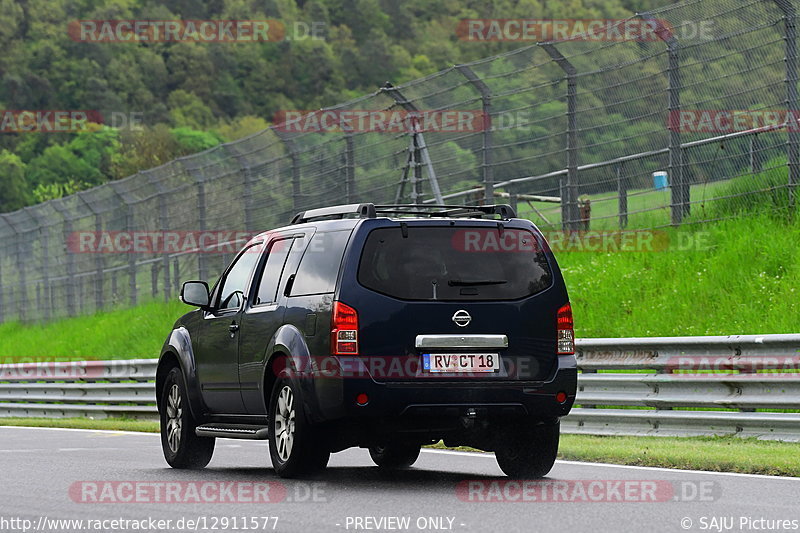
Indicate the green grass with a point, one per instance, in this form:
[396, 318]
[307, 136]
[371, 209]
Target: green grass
[122, 334]
[715, 454]
[744, 277]
[113, 424]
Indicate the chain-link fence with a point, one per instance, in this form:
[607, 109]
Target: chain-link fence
[695, 124]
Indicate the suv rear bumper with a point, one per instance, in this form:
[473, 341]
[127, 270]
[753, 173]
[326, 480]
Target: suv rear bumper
[404, 401]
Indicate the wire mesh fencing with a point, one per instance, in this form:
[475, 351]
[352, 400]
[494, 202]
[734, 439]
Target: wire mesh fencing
[693, 122]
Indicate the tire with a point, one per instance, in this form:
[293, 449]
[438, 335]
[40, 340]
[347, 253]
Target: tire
[530, 454]
[394, 456]
[182, 447]
[293, 443]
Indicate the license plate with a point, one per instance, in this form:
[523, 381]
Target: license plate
[460, 362]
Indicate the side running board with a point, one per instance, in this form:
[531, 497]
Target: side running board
[233, 431]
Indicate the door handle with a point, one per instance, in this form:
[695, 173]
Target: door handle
[233, 328]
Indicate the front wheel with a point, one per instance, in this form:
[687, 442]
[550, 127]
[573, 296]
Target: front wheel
[293, 447]
[182, 447]
[394, 456]
[529, 453]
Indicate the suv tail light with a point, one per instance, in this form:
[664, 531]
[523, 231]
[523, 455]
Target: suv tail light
[566, 331]
[344, 330]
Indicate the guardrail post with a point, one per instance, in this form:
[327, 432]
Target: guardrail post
[570, 216]
[487, 165]
[793, 144]
[622, 195]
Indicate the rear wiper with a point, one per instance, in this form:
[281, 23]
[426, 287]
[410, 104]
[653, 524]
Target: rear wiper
[470, 282]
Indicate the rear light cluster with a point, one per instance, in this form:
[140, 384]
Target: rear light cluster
[566, 331]
[344, 330]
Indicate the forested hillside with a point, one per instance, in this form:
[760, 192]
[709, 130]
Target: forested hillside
[190, 96]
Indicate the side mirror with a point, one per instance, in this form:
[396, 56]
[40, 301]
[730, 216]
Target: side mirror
[196, 293]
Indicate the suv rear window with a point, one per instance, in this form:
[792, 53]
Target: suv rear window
[454, 263]
[319, 267]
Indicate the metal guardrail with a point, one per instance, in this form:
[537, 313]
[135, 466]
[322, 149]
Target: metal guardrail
[663, 386]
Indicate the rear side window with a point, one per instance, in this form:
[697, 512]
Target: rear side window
[454, 263]
[319, 267]
[276, 259]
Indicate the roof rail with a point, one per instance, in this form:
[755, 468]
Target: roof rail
[335, 211]
[454, 211]
[368, 210]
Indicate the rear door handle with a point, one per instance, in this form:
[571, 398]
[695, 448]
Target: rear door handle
[233, 328]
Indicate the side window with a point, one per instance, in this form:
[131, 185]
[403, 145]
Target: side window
[271, 276]
[319, 267]
[233, 285]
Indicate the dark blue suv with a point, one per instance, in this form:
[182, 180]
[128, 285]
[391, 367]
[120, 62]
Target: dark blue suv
[384, 327]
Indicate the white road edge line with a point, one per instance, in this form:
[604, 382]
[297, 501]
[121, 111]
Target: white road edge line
[471, 454]
[632, 467]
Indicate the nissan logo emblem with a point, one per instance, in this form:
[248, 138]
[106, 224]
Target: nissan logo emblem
[462, 318]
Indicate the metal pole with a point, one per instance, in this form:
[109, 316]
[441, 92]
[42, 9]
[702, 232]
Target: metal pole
[679, 188]
[622, 194]
[99, 268]
[163, 220]
[487, 165]
[419, 149]
[569, 183]
[350, 168]
[69, 289]
[291, 147]
[793, 144]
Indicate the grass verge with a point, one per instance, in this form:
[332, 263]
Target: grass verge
[714, 454]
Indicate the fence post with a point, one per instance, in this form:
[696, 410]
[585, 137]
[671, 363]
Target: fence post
[98, 259]
[2, 289]
[421, 155]
[163, 220]
[622, 194]
[202, 263]
[247, 180]
[291, 147]
[793, 144]
[44, 242]
[69, 288]
[755, 156]
[569, 184]
[129, 217]
[487, 165]
[680, 191]
[350, 167]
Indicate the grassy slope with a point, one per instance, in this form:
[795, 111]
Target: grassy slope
[746, 280]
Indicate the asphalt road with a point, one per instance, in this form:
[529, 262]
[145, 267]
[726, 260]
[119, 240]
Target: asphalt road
[99, 477]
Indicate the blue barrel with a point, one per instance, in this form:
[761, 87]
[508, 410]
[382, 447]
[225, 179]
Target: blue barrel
[660, 180]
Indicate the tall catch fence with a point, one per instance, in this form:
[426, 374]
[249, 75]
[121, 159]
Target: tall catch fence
[696, 123]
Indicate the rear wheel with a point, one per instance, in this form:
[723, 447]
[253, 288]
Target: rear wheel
[530, 453]
[292, 444]
[393, 456]
[182, 447]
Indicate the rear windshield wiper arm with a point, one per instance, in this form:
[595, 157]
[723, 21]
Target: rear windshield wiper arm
[471, 282]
